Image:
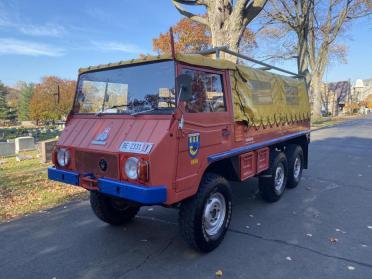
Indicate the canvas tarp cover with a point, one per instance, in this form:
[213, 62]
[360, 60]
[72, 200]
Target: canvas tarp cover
[264, 98]
[259, 97]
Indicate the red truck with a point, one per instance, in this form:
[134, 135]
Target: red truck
[174, 130]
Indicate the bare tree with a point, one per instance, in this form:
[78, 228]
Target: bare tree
[226, 20]
[316, 25]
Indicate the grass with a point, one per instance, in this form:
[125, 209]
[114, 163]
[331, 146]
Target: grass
[330, 121]
[25, 188]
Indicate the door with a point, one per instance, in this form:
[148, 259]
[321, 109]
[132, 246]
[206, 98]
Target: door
[207, 124]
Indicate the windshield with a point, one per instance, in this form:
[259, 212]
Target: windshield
[141, 89]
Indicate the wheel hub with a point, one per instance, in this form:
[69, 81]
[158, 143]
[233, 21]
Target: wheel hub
[297, 168]
[214, 214]
[279, 178]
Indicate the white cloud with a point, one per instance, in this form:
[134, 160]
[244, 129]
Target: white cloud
[21, 47]
[116, 46]
[48, 30]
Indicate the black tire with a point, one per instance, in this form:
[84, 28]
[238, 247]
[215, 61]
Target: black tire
[294, 151]
[112, 210]
[192, 223]
[269, 190]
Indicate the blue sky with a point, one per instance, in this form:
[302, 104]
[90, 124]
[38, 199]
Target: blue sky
[50, 37]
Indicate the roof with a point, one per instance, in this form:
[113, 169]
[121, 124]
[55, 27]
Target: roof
[193, 59]
[341, 89]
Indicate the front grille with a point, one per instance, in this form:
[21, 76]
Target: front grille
[89, 162]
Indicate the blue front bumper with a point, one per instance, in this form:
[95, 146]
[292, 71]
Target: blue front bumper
[125, 190]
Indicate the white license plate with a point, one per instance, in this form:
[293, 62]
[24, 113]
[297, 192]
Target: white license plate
[136, 147]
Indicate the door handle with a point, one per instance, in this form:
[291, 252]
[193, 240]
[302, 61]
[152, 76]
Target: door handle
[226, 132]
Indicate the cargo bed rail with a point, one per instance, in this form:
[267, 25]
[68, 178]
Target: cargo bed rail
[266, 67]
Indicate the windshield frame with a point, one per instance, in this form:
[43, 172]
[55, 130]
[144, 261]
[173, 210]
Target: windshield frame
[165, 111]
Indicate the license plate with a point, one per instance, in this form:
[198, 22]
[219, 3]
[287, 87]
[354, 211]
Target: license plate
[136, 147]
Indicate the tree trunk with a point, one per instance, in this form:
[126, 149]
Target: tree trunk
[316, 84]
[225, 31]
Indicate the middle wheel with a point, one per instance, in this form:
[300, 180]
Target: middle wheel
[273, 181]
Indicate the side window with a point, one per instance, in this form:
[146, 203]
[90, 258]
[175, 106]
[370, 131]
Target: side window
[207, 92]
[261, 92]
[291, 94]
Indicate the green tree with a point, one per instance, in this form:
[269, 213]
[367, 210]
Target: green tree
[27, 89]
[4, 109]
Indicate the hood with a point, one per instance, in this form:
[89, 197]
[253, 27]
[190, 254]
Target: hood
[108, 134]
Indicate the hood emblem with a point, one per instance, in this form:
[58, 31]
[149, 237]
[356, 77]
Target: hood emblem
[102, 137]
[102, 164]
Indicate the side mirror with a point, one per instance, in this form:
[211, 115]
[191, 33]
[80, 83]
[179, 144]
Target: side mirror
[183, 83]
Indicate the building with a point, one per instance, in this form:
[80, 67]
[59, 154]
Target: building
[362, 89]
[335, 95]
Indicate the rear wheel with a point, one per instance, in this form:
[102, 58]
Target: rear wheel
[272, 182]
[112, 210]
[205, 218]
[295, 157]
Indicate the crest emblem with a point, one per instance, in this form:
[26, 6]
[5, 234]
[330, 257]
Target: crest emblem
[102, 137]
[194, 144]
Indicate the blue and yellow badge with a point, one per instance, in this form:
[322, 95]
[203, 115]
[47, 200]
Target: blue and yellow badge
[194, 144]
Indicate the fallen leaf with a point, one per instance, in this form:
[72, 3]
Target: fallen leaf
[333, 240]
[288, 258]
[350, 267]
[219, 273]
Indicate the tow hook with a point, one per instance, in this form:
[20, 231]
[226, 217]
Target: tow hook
[89, 182]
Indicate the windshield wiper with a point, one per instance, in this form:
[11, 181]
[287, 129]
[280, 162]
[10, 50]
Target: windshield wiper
[118, 106]
[143, 111]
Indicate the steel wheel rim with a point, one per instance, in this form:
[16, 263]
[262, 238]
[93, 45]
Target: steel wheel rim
[214, 214]
[297, 168]
[279, 178]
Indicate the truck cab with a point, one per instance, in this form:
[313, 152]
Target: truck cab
[164, 131]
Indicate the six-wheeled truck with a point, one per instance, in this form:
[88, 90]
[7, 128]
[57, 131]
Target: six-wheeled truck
[174, 130]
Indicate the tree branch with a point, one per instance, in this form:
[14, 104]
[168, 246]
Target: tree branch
[193, 2]
[188, 14]
[251, 10]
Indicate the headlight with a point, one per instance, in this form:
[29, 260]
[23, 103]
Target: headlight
[63, 157]
[131, 167]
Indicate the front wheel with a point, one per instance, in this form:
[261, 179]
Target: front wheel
[205, 218]
[112, 210]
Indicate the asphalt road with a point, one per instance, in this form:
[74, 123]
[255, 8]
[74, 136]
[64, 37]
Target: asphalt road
[322, 229]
